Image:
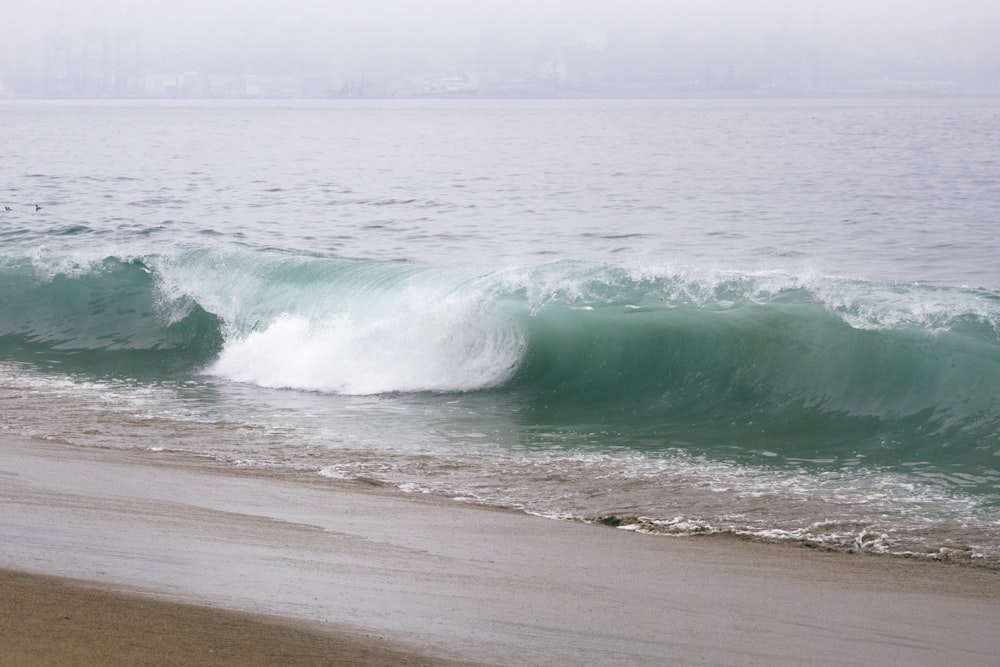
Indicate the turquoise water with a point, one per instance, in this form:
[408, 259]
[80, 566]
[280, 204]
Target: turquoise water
[758, 317]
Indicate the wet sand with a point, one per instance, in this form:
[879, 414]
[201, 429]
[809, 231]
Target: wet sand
[53, 621]
[322, 567]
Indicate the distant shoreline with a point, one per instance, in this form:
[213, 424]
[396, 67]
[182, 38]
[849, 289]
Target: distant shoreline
[563, 95]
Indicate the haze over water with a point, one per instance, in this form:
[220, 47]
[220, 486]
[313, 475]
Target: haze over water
[313, 48]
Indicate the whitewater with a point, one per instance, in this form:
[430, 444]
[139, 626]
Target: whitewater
[775, 319]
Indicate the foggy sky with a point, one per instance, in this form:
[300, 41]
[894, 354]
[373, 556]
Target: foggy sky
[393, 36]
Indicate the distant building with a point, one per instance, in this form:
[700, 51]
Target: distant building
[57, 68]
[450, 86]
[97, 63]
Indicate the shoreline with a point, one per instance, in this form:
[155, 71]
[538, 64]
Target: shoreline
[47, 620]
[437, 581]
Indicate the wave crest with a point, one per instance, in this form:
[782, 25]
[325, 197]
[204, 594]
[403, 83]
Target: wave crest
[822, 365]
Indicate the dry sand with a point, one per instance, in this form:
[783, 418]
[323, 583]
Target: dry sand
[347, 568]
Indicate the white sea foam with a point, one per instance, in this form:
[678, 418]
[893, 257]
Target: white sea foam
[405, 352]
[860, 303]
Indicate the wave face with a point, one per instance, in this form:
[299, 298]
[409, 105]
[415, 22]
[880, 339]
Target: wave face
[106, 315]
[792, 366]
[781, 372]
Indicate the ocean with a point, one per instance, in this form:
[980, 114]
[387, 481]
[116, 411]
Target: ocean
[777, 319]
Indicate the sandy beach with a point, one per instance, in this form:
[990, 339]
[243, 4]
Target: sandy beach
[53, 621]
[278, 570]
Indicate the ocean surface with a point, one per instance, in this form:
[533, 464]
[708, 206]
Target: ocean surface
[771, 318]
